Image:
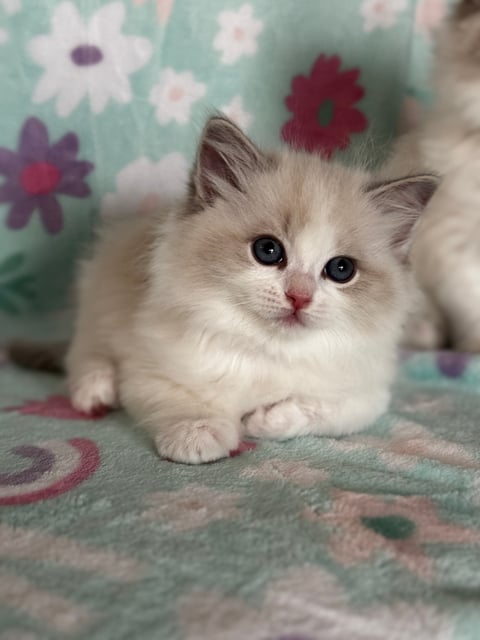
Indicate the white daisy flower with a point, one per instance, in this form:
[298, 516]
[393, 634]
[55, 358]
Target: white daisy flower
[381, 13]
[174, 95]
[235, 111]
[143, 185]
[238, 34]
[11, 6]
[83, 58]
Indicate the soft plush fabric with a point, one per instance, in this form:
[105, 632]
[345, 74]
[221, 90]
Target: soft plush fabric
[369, 537]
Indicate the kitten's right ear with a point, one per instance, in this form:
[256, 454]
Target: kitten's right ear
[466, 8]
[401, 202]
[226, 158]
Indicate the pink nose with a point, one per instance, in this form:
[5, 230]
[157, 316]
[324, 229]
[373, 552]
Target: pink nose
[298, 300]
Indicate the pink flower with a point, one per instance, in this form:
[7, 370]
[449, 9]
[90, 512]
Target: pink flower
[430, 14]
[364, 526]
[323, 109]
[58, 407]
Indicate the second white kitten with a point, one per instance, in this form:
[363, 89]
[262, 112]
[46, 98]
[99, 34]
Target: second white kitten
[446, 251]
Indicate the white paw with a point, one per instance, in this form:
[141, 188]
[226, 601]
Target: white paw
[94, 391]
[282, 420]
[196, 441]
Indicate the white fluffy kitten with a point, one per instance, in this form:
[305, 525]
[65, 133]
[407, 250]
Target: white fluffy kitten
[446, 251]
[269, 302]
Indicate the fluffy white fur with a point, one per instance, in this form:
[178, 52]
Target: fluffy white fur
[446, 251]
[181, 325]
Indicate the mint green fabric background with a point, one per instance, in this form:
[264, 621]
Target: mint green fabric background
[390, 52]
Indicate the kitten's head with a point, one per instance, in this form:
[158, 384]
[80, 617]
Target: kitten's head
[289, 244]
[457, 60]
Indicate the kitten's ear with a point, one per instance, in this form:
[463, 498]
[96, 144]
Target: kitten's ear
[466, 8]
[403, 201]
[226, 157]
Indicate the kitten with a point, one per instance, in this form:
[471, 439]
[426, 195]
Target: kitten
[269, 302]
[446, 251]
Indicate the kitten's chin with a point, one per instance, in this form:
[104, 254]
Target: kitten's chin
[287, 324]
[294, 321]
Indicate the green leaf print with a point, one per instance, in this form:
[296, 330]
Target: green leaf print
[15, 289]
[12, 263]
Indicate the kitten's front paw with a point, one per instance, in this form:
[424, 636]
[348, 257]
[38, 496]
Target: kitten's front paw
[197, 441]
[94, 391]
[281, 420]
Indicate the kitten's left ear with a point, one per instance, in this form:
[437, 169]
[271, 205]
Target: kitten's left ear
[403, 200]
[226, 158]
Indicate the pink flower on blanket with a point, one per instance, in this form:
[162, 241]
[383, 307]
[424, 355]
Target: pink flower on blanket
[55, 406]
[429, 15]
[364, 526]
[323, 108]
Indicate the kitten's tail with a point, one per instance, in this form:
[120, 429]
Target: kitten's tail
[38, 356]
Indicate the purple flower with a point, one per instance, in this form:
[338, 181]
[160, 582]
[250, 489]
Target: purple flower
[37, 173]
[452, 364]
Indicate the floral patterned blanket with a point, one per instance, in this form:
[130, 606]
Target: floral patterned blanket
[102, 102]
[369, 537]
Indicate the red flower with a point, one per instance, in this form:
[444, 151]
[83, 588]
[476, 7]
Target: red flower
[246, 445]
[322, 107]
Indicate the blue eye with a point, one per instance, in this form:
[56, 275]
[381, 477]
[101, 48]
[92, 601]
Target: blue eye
[340, 269]
[268, 251]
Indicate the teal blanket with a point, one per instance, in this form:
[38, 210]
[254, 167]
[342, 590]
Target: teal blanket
[368, 537]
